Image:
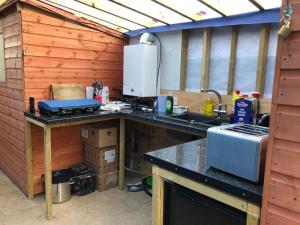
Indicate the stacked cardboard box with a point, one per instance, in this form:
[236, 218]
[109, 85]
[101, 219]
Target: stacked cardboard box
[101, 153]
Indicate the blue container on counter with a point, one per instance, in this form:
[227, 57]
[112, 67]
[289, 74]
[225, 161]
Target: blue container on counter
[161, 103]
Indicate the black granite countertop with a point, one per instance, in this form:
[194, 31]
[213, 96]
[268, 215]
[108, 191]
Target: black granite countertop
[189, 160]
[153, 118]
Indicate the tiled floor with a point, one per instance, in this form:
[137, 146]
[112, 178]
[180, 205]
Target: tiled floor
[112, 207]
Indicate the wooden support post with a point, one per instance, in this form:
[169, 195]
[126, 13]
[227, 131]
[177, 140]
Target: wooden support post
[30, 193]
[232, 62]
[205, 58]
[262, 58]
[157, 198]
[184, 58]
[48, 171]
[122, 154]
[253, 214]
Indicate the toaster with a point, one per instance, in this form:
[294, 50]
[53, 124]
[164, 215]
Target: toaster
[238, 149]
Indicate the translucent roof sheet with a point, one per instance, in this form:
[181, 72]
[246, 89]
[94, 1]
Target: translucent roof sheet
[233, 7]
[123, 12]
[77, 6]
[269, 4]
[193, 9]
[130, 15]
[89, 17]
[155, 10]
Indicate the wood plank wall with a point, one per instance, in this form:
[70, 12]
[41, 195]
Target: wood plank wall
[57, 51]
[281, 197]
[12, 138]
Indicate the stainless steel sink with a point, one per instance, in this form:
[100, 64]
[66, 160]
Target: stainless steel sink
[198, 119]
[193, 117]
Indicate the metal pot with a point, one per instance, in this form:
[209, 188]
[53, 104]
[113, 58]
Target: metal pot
[61, 192]
[61, 185]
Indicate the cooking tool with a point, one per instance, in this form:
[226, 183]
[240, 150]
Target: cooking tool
[61, 185]
[58, 107]
[61, 192]
[238, 149]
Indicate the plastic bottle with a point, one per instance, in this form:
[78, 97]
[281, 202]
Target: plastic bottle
[254, 100]
[235, 96]
[208, 106]
[245, 96]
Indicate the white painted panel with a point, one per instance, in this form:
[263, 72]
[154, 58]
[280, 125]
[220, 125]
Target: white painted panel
[219, 59]
[194, 61]
[270, 70]
[247, 56]
[170, 59]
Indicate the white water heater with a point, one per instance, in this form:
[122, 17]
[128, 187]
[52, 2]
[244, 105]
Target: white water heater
[140, 70]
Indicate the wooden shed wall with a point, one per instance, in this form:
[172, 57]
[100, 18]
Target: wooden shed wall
[281, 198]
[12, 138]
[58, 51]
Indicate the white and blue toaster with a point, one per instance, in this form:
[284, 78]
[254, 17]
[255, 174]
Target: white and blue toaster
[238, 149]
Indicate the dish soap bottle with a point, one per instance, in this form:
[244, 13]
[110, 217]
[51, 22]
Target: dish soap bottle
[169, 104]
[235, 96]
[208, 106]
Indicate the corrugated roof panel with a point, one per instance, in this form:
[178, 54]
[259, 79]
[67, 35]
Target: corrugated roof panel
[82, 8]
[86, 16]
[269, 4]
[123, 12]
[139, 15]
[193, 9]
[154, 10]
[233, 7]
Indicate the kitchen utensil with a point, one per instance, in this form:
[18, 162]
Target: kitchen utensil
[61, 185]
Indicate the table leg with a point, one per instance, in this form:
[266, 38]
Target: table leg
[157, 198]
[30, 193]
[48, 171]
[122, 154]
[253, 214]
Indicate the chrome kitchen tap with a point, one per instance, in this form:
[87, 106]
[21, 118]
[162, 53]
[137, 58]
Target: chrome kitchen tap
[219, 111]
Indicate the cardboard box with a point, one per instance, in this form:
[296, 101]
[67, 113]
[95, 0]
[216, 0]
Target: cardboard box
[108, 181]
[99, 136]
[102, 160]
[102, 136]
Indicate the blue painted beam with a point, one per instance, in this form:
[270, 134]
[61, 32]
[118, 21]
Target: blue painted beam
[261, 17]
